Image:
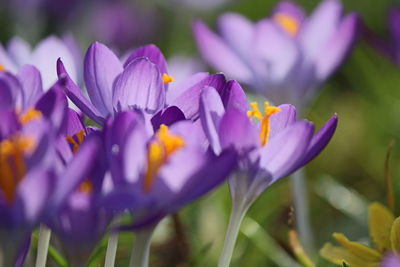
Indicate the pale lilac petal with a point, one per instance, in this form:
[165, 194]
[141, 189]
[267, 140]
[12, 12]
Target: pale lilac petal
[284, 151]
[45, 56]
[278, 51]
[291, 9]
[233, 96]
[211, 112]
[237, 31]
[236, 130]
[337, 47]
[152, 53]
[6, 61]
[175, 89]
[19, 50]
[139, 86]
[217, 53]
[189, 100]
[31, 83]
[390, 260]
[279, 121]
[320, 26]
[101, 67]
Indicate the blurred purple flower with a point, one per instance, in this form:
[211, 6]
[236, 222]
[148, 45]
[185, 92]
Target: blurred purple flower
[272, 146]
[391, 260]
[156, 174]
[285, 57]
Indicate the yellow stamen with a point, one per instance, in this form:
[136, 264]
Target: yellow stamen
[167, 78]
[288, 23]
[264, 119]
[30, 115]
[80, 136]
[159, 150]
[86, 187]
[12, 165]
[2, 68]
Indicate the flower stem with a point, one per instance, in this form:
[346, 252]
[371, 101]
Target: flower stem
[111, 249]
[141, 248]
[301, 206]
[43, 246]
[238, 212]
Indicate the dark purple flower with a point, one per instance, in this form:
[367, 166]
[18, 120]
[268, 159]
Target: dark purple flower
[285, 57]
[272, 144]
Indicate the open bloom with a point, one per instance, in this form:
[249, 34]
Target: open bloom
[44, 57]
[285, 57]
[384, 232]
[140, 83]
[156, 174]
[273, 144]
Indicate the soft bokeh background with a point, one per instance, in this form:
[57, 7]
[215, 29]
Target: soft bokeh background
[365, 93]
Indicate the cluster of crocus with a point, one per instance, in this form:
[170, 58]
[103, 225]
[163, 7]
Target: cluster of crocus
[159, 144]
[384, 232]
[285, 57]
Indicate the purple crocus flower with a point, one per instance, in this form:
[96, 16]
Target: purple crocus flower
[140, 83]
[285, 57]
[44, 57]
[391, 260]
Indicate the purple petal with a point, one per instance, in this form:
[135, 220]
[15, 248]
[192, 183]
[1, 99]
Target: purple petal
[6, 61]
[337, 47]
[74, 123]
[217, 53]
[6, 96]
[211, 112]
[237, 130]
[75, 94]
[175, 89]
[320, 140]
[233, 96]
[229, 25]
[152, 53]
[291, 9]
[284, 151]
[282, 119]
[101, 67]
[139, 86]
[34, 193]
[277, 50]
[45, 56]
[19, 50]
[189, 100]
[320, 26]
[167, 117]
[394, 24]
[31, 83]
[390, 260]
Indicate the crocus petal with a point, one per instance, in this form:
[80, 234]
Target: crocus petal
[284, 151]
[285, 117]
[338, 255]
[31, 83]
[320, 140]
[320, 26]
[337, 47]
[291, 9]
[380, 221]
[74, 123]
[75, 94]
[395, 235]
[152, 53]
[360, 250]
[175, 89]
[236, 130]
[101, 67]
[189, 100]
[14, 87]
[6, 61]
[139, 86]
[391, 260]
[394, 24]
[6, 96]
[233, 96]
[167, 117]
[217, 53]
[45, 56]
[278, 51]
[211, 112]
[229, 25]
[34, 192]
[19, 50]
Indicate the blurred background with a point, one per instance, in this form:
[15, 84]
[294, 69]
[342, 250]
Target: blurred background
[349, 174]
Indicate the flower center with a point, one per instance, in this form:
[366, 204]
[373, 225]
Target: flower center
[30, 115]
[288, 23]
[159, 151]
[12, 165]
[76, 140]
[167, 78]
[264, 119]
[2, 68]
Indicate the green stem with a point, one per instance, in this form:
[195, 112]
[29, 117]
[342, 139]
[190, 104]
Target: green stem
[141, 248]
[111, 249]
[43, 246]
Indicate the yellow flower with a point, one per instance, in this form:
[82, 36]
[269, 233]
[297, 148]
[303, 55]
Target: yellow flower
[385, 236]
